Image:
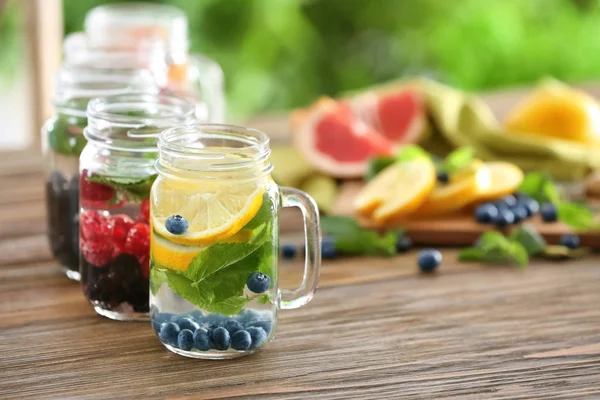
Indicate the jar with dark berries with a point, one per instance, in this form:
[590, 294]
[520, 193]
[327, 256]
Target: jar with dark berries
[116, 173]
[62, 143]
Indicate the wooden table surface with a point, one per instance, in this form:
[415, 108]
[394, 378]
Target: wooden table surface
[375, 330]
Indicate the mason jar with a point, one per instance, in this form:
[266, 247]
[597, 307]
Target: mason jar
[214, 242]
[116, 170]
[130, 25]
[63, 141]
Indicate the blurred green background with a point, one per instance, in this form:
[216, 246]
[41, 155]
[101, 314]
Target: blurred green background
[279, 54]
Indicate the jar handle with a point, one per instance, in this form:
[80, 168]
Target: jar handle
[290, 299]
[210, 78]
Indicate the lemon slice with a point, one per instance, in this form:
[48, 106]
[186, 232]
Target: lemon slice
[466, 185]
[213, 213]
[397, 191]
[172, 255]
[505, 178]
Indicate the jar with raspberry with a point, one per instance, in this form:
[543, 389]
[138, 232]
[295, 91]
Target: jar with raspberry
[62, 143]
[116, 173]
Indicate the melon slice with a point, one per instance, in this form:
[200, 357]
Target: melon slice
[335, 141]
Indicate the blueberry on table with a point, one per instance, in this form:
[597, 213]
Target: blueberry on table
[504, 218]
[176, 224]
[549, 212]
[442, 177]
[233, 326]
[328, 250]
[221, 338]
[532, 206]
[258, 282]
[509, 200]
[185, 339]
[187, 323]
[403, 244]
[241, 340]
[570, 241]
[486, 213]
[288, 251]
[168, 333]
[202, 339]
[258, 336]
[429, 260]
[520, 213]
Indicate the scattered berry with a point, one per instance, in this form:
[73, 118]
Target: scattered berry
[95, 226]
[168, 333]
[403, 244]
[258, 336]
[258, 282]
[328, 250]
[233, 326]
[504, 218]
[97, 253]
[144, 265]
[531, 206]
[442, 177]
[187, 323]
[265, 324]
[220, 338]
[176, 224]
[121, 225]
[570, 241]
[202, 339]
[241, 340]
[509, 200]
[520, 212]
[138, 240]
[429, 260]
[185, 339]
[145, 210]
[486, 213]
[288, 251]
[93, 191]
[549, 212]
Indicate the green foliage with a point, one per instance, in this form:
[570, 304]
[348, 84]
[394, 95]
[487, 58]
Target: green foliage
[11, 40]
[279, 54]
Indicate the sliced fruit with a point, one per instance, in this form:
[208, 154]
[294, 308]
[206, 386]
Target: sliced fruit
[397, 191]
[337, 142]
[555, 110]
[505, 178]
[172, 255]
[212, 215]
[464, 187]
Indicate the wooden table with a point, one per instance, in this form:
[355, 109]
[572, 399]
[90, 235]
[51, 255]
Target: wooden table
[375, 330]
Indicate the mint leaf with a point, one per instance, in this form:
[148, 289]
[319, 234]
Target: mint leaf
[65, 135]
[131, 189]
[471, 254]
[411, 152]
[458, 159]
[531, 240]
[264, 214]
[351, 239]
[338, 225]
[494, 248]
[540, 187]
[157, 277]
[578, 216]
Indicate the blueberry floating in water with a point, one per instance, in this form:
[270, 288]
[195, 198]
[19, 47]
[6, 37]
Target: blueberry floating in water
[221, 338]
[403, 244]
[202, 339]
[570, 241]
[549, 212]
[504, 218]
[442, 177]
[241, 340]
[187, 323]
[258, 282]
[185, 339]
[429, 260]
[288, 251]
[233, 326]
[176, 224]
[258, 336]
[486, 213]
[328, 250]
[168, 333]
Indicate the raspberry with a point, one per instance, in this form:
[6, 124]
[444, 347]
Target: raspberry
[145, 265]
[121, 225]
[138, 240]
[145, 209]
[94, 191]
[98, 253]
[95, 226]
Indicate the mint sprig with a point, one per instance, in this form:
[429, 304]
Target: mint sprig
[130, 189]
[541, 187]
[494, 248]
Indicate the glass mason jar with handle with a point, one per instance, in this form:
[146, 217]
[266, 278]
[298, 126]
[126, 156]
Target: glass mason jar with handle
[116, 172]
[62, 143]
[214, 242]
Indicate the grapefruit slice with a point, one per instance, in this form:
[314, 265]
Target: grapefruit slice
[336, 142]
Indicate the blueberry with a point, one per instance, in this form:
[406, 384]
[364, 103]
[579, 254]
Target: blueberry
[221, 338]
[159, 318]
[403, 244]
[442, 177]
[187, 323]
[504, 218]
[247, 315]
[429, 259]
[265, 324]
[258, 282]
[531, 206]
[258, 336]
[328, 250]
[198, 316]
[520, 213]
[549, 212]
[215, 319]
[288, 251]
[176, 224]
[168, 333]
[522, 197]
[501, 206]
[486, 213]
[570, 241]
[241, 340]
[233, 326]
[509, 200]
[185, 339]
[202, 339]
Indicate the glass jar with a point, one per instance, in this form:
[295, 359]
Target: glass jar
[214, 243]
[63, 141]
[129, 25]
[116, 172]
